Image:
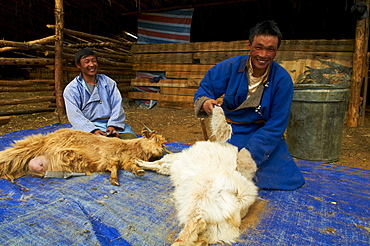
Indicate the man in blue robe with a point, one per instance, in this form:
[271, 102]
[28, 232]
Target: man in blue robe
[93, 101]
[257, 94]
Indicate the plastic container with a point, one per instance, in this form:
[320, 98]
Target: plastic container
[316, 121]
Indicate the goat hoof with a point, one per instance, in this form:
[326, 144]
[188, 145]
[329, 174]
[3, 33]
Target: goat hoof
[114, 182]
[139, 172]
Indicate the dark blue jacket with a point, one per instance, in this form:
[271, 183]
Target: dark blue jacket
[276, 167]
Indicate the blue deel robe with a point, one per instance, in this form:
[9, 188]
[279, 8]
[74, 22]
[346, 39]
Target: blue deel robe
[265, 142]
[97, 110]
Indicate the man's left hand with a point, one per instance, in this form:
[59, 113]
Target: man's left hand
[111, 130]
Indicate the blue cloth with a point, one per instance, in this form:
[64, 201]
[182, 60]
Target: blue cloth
[332, 208]
[276, 167]
[103, 108]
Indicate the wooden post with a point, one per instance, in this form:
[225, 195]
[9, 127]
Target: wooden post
[59, 25]
[359, 56]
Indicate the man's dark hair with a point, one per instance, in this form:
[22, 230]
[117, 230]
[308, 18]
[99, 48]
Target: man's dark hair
[267, 27]
[83, 53]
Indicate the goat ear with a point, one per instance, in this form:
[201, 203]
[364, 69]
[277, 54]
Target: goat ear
[151, 134]
[145, 133]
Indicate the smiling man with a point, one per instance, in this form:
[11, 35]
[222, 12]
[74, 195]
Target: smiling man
[258, 94]
[93, 101]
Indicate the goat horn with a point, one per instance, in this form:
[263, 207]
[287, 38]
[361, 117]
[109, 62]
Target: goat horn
[147, 128]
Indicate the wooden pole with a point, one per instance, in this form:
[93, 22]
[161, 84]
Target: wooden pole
[359, 56]
[365, 71]
[58, 75]
[366, 85]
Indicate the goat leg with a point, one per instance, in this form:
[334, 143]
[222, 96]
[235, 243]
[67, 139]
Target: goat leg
[114, 174]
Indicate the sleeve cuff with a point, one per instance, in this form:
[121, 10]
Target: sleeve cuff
[198, 104]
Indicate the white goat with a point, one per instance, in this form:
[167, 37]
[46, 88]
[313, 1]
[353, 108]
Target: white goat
[213, 186]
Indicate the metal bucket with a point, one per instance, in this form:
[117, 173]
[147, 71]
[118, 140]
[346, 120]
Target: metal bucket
[316, 122]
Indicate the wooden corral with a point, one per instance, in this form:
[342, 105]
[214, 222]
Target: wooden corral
[308, 61]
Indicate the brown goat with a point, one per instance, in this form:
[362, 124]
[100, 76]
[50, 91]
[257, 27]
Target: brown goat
[78, 151]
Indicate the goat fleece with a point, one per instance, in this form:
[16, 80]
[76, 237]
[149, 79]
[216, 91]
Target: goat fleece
[213, 187]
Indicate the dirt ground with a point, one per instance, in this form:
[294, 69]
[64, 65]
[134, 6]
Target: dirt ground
[180, 125]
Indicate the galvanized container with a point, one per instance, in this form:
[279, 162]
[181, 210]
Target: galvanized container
[316, 121]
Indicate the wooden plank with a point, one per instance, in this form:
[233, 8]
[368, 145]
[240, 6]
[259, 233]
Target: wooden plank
[205, 59]
[178, 91]
[216, 57]
[124, 89]
[190, 82]
[159, 97]
[318, 45]
[171, 67]
[183, 58]
[304, 70]
[342, 45]
[4, 120]
[177, 105]
[194, 82]
[162, 82]
[184, 75]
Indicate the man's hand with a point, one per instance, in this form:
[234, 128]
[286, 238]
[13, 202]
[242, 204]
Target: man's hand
[98, 132]
[111, 130]
[209, 105]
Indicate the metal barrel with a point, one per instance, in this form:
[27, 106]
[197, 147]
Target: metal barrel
[316, 121]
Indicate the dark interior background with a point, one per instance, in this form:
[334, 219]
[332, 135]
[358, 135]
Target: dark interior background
[25, 20]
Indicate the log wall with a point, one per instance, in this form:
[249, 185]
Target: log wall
[185, 64]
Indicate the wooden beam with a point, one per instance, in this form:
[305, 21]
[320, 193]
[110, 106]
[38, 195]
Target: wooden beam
[27, 100]
[26, 89]
[26, 61]
[29, 111]
[31, 82]
[22, 45]
[45, 40]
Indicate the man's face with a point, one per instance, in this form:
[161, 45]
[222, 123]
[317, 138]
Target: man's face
[262, 52]
[88, 66]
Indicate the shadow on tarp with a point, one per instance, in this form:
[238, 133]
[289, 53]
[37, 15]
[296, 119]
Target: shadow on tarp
[331, 209]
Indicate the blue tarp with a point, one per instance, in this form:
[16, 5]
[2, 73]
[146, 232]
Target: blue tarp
[331, 209]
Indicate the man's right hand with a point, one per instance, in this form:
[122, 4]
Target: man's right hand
[98, 132]
[209, 105]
